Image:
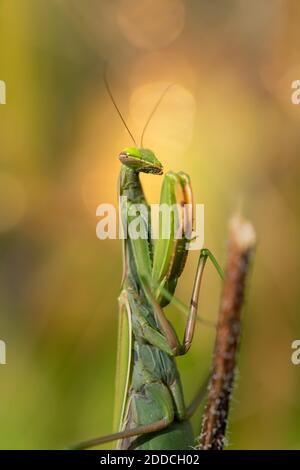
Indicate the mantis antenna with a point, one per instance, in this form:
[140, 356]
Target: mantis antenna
[116, 106]
[154, 110]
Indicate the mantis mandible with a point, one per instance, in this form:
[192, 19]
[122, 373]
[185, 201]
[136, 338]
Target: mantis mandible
[150, 408]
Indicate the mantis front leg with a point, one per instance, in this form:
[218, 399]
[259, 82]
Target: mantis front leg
[169, 259]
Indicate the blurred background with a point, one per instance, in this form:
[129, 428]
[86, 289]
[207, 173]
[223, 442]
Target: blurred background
[228, 121]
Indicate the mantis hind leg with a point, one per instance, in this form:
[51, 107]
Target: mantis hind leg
[192, 408]
[138, 430]
[170, 335]
[183, 412]
[151, 411]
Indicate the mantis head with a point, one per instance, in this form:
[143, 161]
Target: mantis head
[141, 160]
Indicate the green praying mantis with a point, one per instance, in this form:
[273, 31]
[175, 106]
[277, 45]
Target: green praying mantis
[150, 409]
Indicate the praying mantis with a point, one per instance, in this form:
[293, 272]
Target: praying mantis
[150, 409]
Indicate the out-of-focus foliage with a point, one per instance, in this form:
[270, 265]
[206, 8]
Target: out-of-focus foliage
[228, 122]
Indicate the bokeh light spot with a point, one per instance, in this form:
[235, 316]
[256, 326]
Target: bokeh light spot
[171, 128]
[151, 25]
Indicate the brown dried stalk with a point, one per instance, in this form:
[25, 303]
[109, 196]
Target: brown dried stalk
[240, 249]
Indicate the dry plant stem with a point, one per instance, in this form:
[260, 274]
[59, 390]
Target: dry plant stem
[240, 249]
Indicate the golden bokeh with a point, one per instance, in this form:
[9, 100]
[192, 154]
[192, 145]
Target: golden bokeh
[151, 24]
[171, 128]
